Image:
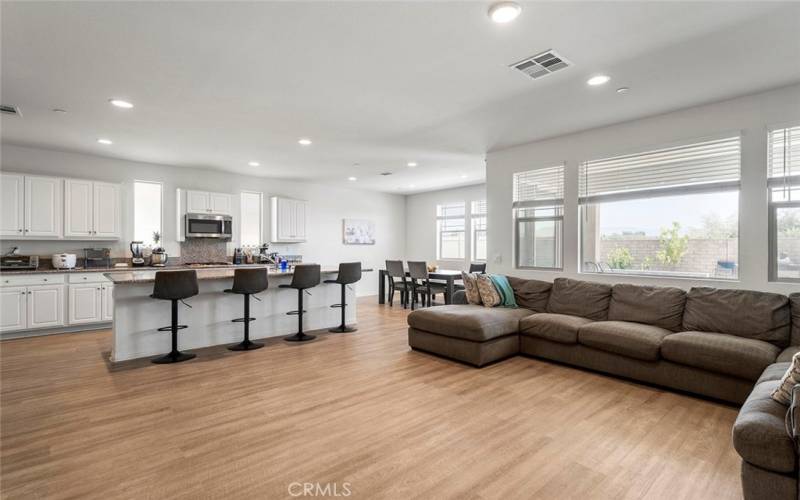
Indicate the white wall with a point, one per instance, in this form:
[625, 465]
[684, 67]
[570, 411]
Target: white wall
[751, 115]
[327, 206]
[421, 222]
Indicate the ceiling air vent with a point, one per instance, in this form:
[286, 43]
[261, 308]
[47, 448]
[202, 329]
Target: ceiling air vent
[542, 64]
[10, 110]
[386, 173]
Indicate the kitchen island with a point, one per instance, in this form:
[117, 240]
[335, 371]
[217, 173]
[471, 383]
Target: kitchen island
[137, 317]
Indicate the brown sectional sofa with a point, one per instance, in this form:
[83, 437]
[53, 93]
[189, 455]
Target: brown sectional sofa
[732, 345]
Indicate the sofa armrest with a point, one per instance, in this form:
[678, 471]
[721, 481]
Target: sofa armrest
[460, 297]
[793, 417]
[788, 353]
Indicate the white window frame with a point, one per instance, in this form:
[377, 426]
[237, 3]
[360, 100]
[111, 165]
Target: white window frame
[556, 204]
[440, 219]
[789, 182]
[474, 217]
[161, 217]
[260, 217]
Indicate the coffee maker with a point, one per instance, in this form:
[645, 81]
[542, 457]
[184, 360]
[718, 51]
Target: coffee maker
[137, 248]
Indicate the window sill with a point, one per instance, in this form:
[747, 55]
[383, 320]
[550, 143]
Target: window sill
[534, 268]
[663, 276]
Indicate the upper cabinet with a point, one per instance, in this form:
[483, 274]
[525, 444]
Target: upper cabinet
[199, 202]
[46, 208]
[288, 219]
[91, 210]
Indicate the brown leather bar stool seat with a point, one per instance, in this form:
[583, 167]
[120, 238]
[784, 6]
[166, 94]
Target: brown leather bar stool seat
[349, 273]
[305, 276]
[175, 286]
[248, 282]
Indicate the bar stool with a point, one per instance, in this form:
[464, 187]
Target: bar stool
[248, 282]
[349, 272]
[174, 286]
[305, 276]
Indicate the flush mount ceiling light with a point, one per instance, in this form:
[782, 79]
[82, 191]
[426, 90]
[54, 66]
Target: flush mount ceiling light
[504, 12]
[107, 142]
[623, 90]
[351, 178]
[411, 164]
[598, 80]
[120, 103]
[254, 164]
[59, 111]
[464, 176]
[304, 142]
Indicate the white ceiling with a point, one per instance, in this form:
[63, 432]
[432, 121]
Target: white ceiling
[376, 84]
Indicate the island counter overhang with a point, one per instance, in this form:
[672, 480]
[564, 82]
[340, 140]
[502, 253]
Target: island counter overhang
[137, 316]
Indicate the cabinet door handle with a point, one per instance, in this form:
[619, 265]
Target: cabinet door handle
[44, 279]
[29, 293]
[22, 293]
[19, 230]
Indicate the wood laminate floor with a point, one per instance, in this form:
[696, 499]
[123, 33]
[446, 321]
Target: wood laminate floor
[358, 412]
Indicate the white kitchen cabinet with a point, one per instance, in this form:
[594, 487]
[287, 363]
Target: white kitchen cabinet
[199, 202]
[288, 220]
[78, 208]
[91, 210]
[108, 301]
[43, 207]
[85, 304]
[13, 308]
[45, 306]
[12, 208]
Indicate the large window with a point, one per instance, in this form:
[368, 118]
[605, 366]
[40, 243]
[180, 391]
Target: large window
[450, 225]
[539, 217]
[478, 224]
[147, 212]
[668, 212]
[784, 196]
[250, 221]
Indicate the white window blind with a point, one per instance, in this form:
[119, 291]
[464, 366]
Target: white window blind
[712, 165]
[539, 188]
[479, 207]
[784, 157]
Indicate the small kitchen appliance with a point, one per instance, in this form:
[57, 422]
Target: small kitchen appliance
[137, 253]
[12, 261]
[158, 258]
[64, 260]
[96, 258]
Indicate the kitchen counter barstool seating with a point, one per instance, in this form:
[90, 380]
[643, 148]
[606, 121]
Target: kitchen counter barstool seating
[349, 273]
[248, 282]
[174, 286]
[305, 276]
[421, 284]
[395, 271]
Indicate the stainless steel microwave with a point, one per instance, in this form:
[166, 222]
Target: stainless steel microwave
[209, 226]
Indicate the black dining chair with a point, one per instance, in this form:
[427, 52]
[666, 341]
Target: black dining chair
[247, 282]
[349, 273]
[175, 286]
[421, 285]
[397, 281]
[305, 276]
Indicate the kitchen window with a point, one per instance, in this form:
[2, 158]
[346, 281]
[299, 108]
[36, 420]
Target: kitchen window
[147, 213]
[252, 208]
[672, 211]
[450, 230]
[478, 225]
[783, 164]
[539, 218]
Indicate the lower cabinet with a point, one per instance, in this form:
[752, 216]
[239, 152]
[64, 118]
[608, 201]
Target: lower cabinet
[85, 303]
[108, 302]
[13, 308]
[31, 307]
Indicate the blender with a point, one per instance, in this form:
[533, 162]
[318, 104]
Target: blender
[137, 247]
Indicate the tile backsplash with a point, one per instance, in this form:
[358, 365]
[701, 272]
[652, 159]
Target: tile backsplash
[203, 250]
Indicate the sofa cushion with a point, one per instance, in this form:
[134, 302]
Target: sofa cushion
[490, 297]
[759, 433]
[470, 281]
[794, 302]
[721, 353]
[775, 371]
[470, 322]
[530, 294]
[579, 298]
[783, 393]
[634, 340]
[744, 313]
[651, 305]
[561, 328]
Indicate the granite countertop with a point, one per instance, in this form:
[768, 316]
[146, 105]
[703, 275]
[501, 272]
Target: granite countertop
[141, 275]
[126, 269]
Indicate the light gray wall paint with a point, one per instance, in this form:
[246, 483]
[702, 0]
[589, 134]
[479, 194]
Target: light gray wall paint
[421, 222]
[750, 115]
[327, 206]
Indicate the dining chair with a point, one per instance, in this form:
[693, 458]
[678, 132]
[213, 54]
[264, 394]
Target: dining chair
[421, 285]
[397, 281]
[474, 267]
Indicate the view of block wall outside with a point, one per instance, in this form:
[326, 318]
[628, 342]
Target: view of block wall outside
[146, 211]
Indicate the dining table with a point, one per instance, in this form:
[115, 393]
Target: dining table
[448, 276]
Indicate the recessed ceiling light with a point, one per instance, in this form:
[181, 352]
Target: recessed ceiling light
[598, 80]
[107, 142]
[412, 164]
[254, 164]
[623, 90]
[351, 178]
[463, 176]
[120, 103]
[504, 12]
[412, 185]
[304, 142]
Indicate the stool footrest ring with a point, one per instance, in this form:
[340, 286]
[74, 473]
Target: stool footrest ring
[242, 320]
[169, 328]
[294, 313]
[338, 305]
